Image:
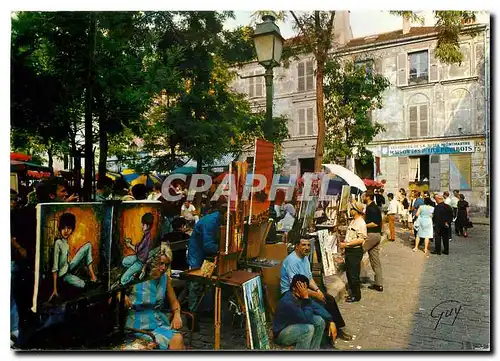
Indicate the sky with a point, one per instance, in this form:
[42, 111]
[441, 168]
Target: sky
[363, 22]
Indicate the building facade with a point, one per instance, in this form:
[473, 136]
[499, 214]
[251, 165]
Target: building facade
[435, 115]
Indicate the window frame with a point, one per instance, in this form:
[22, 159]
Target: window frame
[419, 131]
[305, 76]
[252, 83]
[418, 80]
[305, 122]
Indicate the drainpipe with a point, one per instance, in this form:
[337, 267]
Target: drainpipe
[487, 113]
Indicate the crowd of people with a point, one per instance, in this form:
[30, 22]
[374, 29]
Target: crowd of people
[306, 313]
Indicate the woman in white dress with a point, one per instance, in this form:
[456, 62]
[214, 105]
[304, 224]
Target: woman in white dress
[424, 225]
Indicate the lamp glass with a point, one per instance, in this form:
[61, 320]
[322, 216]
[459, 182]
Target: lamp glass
[278, 49]
[264, 48]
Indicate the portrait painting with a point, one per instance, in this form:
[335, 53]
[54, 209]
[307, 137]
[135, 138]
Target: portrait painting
[72, 252]
[136, 242]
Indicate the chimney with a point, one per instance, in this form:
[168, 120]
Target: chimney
[406, 26]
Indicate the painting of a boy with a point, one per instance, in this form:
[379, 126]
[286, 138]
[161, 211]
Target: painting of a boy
[136, 264]
[63, 267]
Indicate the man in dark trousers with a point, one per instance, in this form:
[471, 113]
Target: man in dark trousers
[443, 216]
[373, 221]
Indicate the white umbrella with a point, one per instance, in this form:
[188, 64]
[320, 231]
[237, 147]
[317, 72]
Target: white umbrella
[352, 179]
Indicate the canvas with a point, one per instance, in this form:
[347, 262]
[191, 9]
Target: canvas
[256, 314]
[263, 164]
[136, 231]
[72, 252]
[344, 198]
[328, 248]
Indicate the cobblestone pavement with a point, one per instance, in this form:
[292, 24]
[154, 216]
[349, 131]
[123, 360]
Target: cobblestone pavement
[417, 291]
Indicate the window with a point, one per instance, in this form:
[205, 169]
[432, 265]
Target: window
[306, 122]
[419, 121]
[306, 75]
[419, 67]
[365, 64]
[255, 85]
[419, 169]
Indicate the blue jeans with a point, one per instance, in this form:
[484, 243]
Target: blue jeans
[14, 316]
[303, 336]
[84, 254]
[134, 266]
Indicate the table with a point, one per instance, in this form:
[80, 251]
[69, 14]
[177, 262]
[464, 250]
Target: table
[234, 279]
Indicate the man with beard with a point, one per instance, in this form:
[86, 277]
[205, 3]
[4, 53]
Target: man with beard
[296, 263]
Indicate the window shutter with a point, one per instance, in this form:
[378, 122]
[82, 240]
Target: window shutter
[302, 123]
[251, 92]
[310, 124]
[309, 75]
[413, 122]
[403, 172]
[435, 173]
[301, 76]
[402, 79]
[258, 86]
[434, 66]
[479, 59]
[424, 120]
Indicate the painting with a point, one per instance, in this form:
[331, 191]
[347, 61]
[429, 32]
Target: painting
[328, 248]
[256, 314]
[264, 157]
[136, 231]
[344, 198]
[72, 252]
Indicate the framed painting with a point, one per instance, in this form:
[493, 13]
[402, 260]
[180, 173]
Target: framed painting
[256, 314]
[72, 252]
[136, 231]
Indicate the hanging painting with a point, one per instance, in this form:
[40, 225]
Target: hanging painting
[256, 314]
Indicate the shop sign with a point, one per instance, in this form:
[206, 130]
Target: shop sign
[408, 150]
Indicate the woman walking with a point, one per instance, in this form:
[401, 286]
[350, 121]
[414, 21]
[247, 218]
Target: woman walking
[403, 208]
[424, 225]
[462, 216]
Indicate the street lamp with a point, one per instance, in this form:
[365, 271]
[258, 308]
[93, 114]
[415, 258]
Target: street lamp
[269, 46]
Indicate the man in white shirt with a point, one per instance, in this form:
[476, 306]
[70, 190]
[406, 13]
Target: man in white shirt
[447, 199]
[188, 212]
[156, 193]
[391, 214]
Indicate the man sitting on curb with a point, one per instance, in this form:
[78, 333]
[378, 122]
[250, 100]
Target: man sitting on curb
[297, 262]
[298, 320]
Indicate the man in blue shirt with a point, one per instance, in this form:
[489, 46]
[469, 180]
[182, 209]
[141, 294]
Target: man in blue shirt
[298, 320]
[297, 262]
[204, 241]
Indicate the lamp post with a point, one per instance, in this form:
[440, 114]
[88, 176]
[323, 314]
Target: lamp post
[269, 46]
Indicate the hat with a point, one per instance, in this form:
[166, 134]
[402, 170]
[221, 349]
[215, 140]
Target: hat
[358, 207]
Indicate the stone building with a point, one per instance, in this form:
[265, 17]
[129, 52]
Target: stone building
[435, 115]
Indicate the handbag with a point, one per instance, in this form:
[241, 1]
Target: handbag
[469, 224]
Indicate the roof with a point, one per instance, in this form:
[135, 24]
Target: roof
[384, 37]
[393, 35]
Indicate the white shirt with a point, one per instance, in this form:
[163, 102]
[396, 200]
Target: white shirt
[454, 202]
[356, 230]
[154, 196]
[448, 201]
[185, 211]
[393, 207]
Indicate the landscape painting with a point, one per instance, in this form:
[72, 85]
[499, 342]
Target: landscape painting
[256, 314]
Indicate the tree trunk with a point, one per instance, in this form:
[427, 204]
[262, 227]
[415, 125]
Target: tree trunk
[51, 158]
[320, 114]
[88, 182]
[66, 161]
[103, 151]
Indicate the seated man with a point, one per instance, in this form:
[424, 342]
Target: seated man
[146, 300]
[298, 320]
[297, 262]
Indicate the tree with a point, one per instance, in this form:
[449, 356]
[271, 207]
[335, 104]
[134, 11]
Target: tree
[351, 93]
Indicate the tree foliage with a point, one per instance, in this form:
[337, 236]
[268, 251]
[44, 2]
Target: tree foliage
[351, 93]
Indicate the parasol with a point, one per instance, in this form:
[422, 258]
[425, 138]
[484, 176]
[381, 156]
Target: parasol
[133, 178]
[348, 176]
